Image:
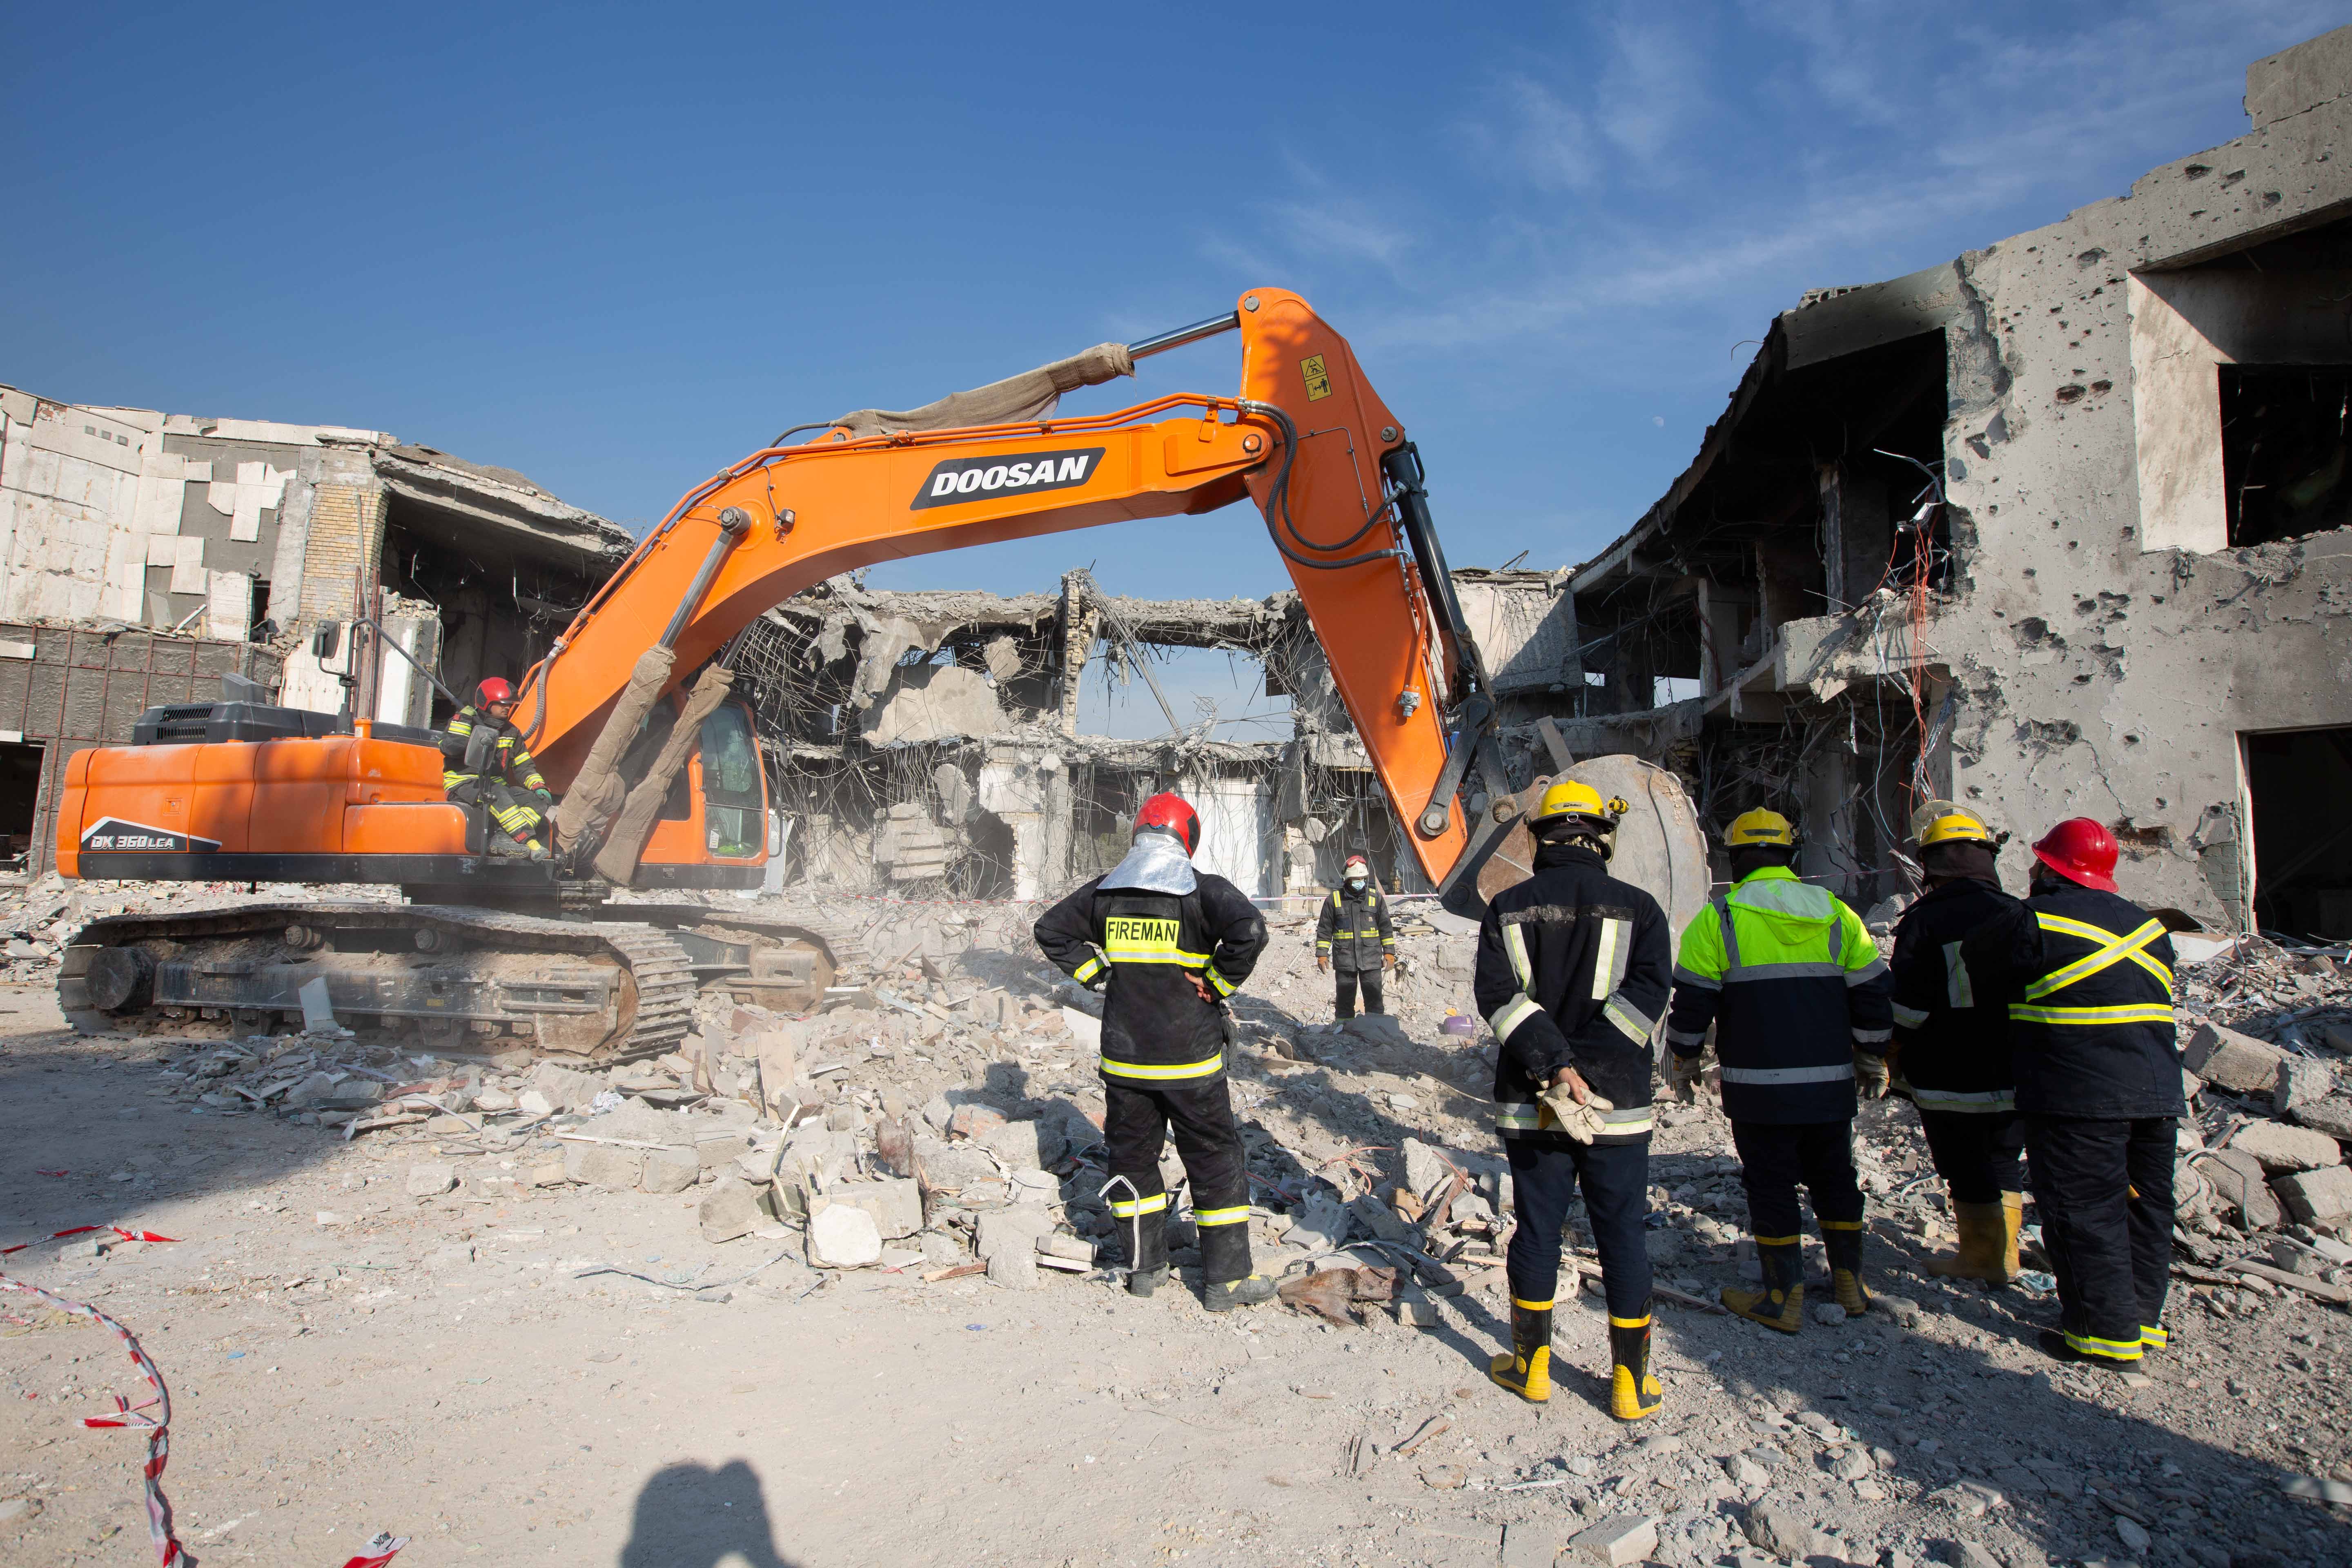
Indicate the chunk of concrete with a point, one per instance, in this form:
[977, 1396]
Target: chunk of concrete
[952, 1167]
[933, 702]
[1085, 1031]
[2240, 1184]
[602, 1165]
[2237, 1062]
[2331, 1116]
[2301, 1081]
[2317, 1197]
[2281, 1147]
[1614, 1542]
[1016, 1230]
[896, 1205]
[431, 1180]
[563, 1087]
[842, 1236]
[668, 1171]
[1425, 1170]
[1778, 1529]
[1531, 1543]
[1015, 1269]
[1025, 1146]
[1378, 1029]
[730, 1208]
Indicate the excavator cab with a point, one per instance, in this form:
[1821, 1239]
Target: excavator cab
[712, 831]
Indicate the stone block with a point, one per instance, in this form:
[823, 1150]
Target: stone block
[563, 1087]
[1025, 1146]
[896, 1205]
[974, 1121]
[1015, 1269]
[2331, 1116]
[2301, 1081]
[730, 1209]
[1376, 1219]
[602, 1165]
[669, 1171]
[431, 1180]
[1012, 1230]
[532, 1103]
[2281, 1147]
[1779, 1530]
[1376, 1030]
[547, 1174]
[1614, 1542]
[952, 1167]
[941, 1249]
[1069, 1248]
[2317, 1197]
[842, 1236]
[2237, 1062]
[2240, 1184]
[715, 1150]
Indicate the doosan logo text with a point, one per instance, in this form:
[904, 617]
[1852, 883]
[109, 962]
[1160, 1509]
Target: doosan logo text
[981, 479]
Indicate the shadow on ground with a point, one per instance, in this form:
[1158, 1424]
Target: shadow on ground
[690, 1516]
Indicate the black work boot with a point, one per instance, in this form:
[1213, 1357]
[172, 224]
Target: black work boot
[1781, 1304]
[1147, 1242]
[1226, 1281]
[1526, 1370]
[1634, 1390]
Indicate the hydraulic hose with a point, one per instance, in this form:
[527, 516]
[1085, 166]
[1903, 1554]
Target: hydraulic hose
[1277, 503]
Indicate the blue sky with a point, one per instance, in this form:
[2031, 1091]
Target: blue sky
[618, 247]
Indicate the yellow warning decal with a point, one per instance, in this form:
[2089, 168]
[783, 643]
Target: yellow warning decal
[1319, 381]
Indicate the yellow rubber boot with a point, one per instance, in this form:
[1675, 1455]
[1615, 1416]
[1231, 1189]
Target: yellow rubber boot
[1526, 1371]
[1978, 1255]
[2012, 1222]
[1634, 1390]
[1781, 1304]
[1842, 1240]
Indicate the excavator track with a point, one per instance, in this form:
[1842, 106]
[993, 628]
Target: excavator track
[498, 980]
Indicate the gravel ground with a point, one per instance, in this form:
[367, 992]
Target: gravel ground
[346, 1358]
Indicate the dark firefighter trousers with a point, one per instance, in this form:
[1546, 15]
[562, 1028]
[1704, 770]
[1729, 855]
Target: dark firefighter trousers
[1546, 1172]
[1344, 1005]
[509, 813]
[1776, 1157]
[1980, 1154]
[1137, 1121]
[2104, 1191]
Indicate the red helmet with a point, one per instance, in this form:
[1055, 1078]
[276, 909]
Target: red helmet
[494, 690]
[2080, 850]
[1168, 811]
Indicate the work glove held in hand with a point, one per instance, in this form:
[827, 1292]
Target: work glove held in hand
[1870, 1075]
[1682, 1073]
[1582, 1122]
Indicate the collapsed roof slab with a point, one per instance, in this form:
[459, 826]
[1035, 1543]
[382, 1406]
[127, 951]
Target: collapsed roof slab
[526, 520]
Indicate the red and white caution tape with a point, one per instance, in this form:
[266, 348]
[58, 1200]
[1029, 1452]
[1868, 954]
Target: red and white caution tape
[154, 1417]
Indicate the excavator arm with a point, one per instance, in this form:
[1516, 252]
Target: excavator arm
[1307, 439]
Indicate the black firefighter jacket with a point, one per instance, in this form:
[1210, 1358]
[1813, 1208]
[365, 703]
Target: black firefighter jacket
[1145, 947]
[1954, 1040]
[2086, 980]
[1354, 931]
[1573, 969]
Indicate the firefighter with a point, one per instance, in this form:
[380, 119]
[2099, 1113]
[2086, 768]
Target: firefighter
[1952, 1047]
[2086, 977]
[1573, 967]
[1798, 996]
[505, 782]
[1354, 938]
[1166, 944]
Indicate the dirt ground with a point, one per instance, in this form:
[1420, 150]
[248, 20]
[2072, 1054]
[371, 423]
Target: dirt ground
[344, 1358]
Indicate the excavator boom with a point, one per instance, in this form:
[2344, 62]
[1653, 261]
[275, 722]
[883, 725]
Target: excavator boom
[1307, 439]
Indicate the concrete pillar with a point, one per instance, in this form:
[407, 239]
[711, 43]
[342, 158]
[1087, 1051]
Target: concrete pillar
[1078, 623]
[340, 557]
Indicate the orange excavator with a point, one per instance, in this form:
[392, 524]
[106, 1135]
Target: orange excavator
[631, 718]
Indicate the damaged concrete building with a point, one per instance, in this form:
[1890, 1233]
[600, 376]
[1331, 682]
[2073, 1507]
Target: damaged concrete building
[2057, 528]
[144, 555]
[929, 743]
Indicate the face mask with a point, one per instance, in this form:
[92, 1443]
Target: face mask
[1356, 884]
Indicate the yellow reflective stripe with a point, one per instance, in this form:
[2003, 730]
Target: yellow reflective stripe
[1841, 1225]
[1604, 961]
[1629, 1022]
[2111, 1349]
[1985, 1102]
[1778, 1240]
[1155, 1072]
[1512, 1013]
[2111, 950]
[1322, 945]
[1909, 1017]
[1517, 1117]
[1156, 955]
[1515, 943]
[1531, 1306]
[1233, 1215]
[1122, 1209]
[1222, 987]
[2154, 1337]
[1624, 1123]
[2137, 1012]
[1957, 988]
[1089, 969]
[1617, 1322]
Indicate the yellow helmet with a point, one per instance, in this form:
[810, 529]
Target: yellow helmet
[1567, 800]
[1954, 826]
[1752, 828]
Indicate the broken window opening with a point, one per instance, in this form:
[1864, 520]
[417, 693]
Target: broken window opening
[2301, 785]
[20, 801]
[2283, 450]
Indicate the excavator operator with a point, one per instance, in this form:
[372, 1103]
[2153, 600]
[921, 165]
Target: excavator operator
[484, 763]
